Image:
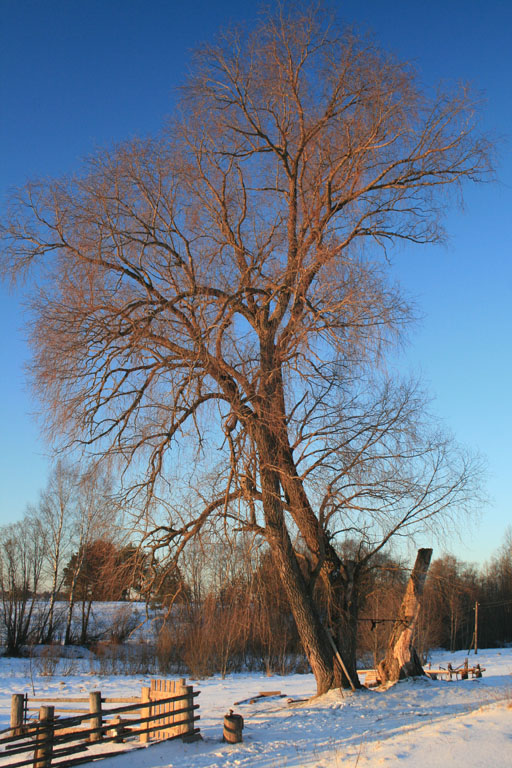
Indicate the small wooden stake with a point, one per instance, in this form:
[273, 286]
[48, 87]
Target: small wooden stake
[118, 729]
[340, 661]
[44, 741]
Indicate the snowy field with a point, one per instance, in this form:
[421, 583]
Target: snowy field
[415, 724]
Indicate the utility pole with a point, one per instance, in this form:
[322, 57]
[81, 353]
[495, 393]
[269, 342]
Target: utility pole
[476, 627]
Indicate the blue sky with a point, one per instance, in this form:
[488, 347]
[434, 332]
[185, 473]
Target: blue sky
[78, 74]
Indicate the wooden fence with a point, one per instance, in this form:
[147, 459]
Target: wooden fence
[166, 710]
[463, 671]
[371, 676]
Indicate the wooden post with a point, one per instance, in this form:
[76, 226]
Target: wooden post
[188, 729]
[340, 661]
[183, 690]
[44, 740]
[174, 688]
[233, 726]
[465, 674]
[95, 708]
[145, 712]
[476, 628]
[17, 706]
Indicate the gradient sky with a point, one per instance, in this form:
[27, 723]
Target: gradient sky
[79, 74]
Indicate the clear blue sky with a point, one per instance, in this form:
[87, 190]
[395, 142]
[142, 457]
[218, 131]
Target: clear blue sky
[78, 74]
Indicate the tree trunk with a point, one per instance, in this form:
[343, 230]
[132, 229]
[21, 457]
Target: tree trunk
[278, 471]
[401, 658]
[72, 597]
[340, 579]
[53, 595]
[86, 613]
[312, 632]
[69, 619]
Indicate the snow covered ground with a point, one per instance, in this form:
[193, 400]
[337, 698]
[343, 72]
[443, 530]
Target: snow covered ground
[415, 724]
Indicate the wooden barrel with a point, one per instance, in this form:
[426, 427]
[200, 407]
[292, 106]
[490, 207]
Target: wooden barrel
[233, 725]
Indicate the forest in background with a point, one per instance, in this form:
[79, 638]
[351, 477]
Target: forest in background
[222, 609]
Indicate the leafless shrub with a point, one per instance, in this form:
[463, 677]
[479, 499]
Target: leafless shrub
[130, 659]
[49, 661]
[169, 648]
[123, 623]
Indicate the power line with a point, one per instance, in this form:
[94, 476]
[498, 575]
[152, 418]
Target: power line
[496, 604]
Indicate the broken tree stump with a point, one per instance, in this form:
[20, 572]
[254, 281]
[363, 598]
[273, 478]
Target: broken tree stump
[401, 658]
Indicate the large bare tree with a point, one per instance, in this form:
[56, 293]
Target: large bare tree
[222, 285]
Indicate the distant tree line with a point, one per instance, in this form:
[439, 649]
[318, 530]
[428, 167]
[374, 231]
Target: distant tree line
[223, 609]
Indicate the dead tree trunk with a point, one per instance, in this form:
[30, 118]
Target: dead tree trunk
[401, 658]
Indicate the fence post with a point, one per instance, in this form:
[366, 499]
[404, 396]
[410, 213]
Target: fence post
[169, 721]
[188, 729]
[179, 690]
[17, 706]
[95, 708]
[44, 740]
[145, 712]
[184, 729]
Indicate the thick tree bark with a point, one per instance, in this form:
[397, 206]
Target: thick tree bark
[311, 631]
[401, 658]
[340, 579]
[310, 627]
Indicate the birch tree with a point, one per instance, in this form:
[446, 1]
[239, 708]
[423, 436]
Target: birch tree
[93, 515]
[55, 519]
